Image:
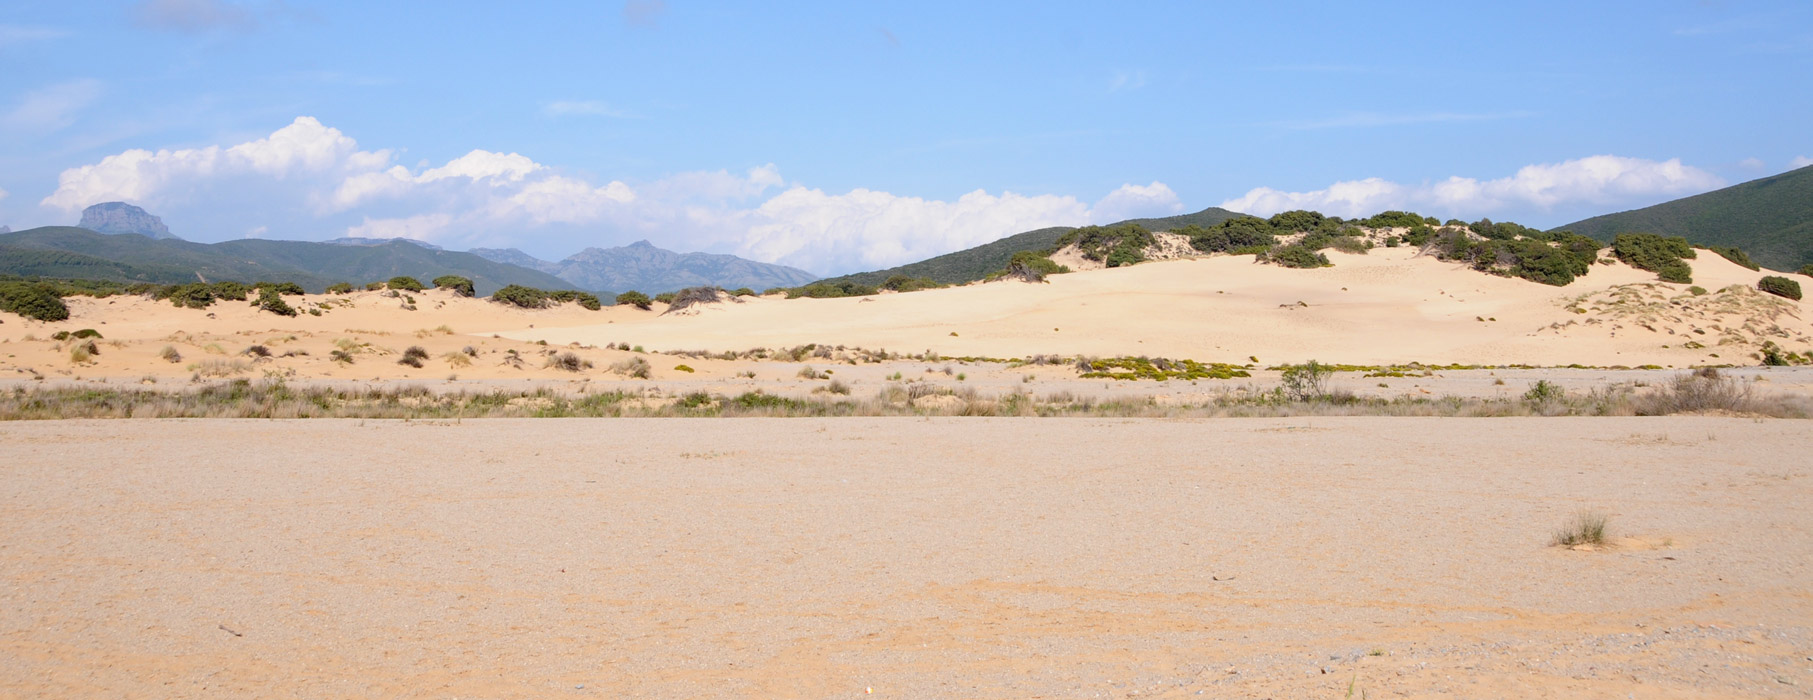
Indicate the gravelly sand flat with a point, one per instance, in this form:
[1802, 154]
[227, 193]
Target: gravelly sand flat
[919, 558]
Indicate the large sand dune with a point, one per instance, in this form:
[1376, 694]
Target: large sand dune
[946, 558]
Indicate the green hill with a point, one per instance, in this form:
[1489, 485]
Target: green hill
[978, 262]
[1770, 218]
[77, 253]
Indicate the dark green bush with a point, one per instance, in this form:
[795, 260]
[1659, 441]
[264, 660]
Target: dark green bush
[194, 295]
[832, 290]
[269, 299]
[634, 298]
[1299, 256]
[742, 292]
[404, 283]
[1301, 221]
[1780, 286]
[1392, 219]
[461, 286]
[1237, 233]
[283, 288]
[520, 296]
[1030, 266]
[585, 300]
[1115, 246]
[1737, 256]
[665, 297]
[373, 286]
[340, 288]
[903, 283]
[230, 290]
[32, 300]
[1664, 256]
[1807, 269]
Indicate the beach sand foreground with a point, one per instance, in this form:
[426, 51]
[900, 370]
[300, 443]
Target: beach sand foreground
[907, 558]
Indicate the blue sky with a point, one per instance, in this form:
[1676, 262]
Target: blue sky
[844, 136]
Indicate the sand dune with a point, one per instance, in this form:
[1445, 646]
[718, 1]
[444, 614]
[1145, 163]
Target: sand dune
[1385, 307]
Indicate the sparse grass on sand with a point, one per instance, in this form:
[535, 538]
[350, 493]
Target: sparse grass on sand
[1586, 527]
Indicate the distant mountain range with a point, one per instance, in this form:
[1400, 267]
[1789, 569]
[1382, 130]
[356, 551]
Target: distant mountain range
[71, 252]
[976, 263]
[645, 268]
[1771, 219]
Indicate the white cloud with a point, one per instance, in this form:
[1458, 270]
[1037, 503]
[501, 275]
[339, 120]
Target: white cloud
[312, 181]
[1752, 164]
[1800, 162]
[582, 108]
[305, 146]
[1594, 180]
[867, 229]
[52, 108]
[257, 231]
[1136, 201]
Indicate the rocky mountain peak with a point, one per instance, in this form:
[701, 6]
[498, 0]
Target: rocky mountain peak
[120, 217]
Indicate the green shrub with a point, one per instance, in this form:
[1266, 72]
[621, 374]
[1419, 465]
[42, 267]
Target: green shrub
[231, 291]
[903, 283]
[634, 298]
[270, 300]
[832, 290]
[1307, 381]
[34, 301]
[1664, 256]
[1298, 256]
[665, 297]
[1114, 246]
[1737, 256]
[283, 288]
[461, 286]
[373, 286]
[404, 283]
[1586, 528]
[1544, 392]
[340, 288]
[194, 295]
[1233, 234]
[1349, 244]
[1301, 221]
[684, 368]
[1780, 286]
[1030, 266]
[86, 333]
[1807, 269]
[585, 300]
[742, 292]
[520, 296]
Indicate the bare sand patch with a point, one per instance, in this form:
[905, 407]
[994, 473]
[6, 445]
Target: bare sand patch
[912, 557]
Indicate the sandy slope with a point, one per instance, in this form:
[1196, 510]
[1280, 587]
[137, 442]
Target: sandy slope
[1383, 307]
[921, 559]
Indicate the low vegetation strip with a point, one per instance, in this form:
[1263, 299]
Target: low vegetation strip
[1702, 392]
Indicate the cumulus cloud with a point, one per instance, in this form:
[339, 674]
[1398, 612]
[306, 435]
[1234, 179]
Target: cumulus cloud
[1800, 162]
[305, 146]
[309, 180]
[1752, 164]
[52, 108]
[1595, 180]
[193, 15]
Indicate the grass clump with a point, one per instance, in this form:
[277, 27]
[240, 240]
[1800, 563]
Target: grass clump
[635, 367]
[1702, 390]
[1585, 528]
[568, 362]
[684, 368]
[170, 355]
[414, 356]
[457, 359]
[340, 288]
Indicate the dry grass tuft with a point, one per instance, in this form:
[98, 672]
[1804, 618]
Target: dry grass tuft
[1586, 527]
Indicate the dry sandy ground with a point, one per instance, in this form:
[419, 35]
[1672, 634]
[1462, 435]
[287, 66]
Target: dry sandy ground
[1010, 558]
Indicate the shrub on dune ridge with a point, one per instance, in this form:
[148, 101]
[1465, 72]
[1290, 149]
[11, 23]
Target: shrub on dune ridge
[34, 301]
[1780, 286]
[461, 286]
